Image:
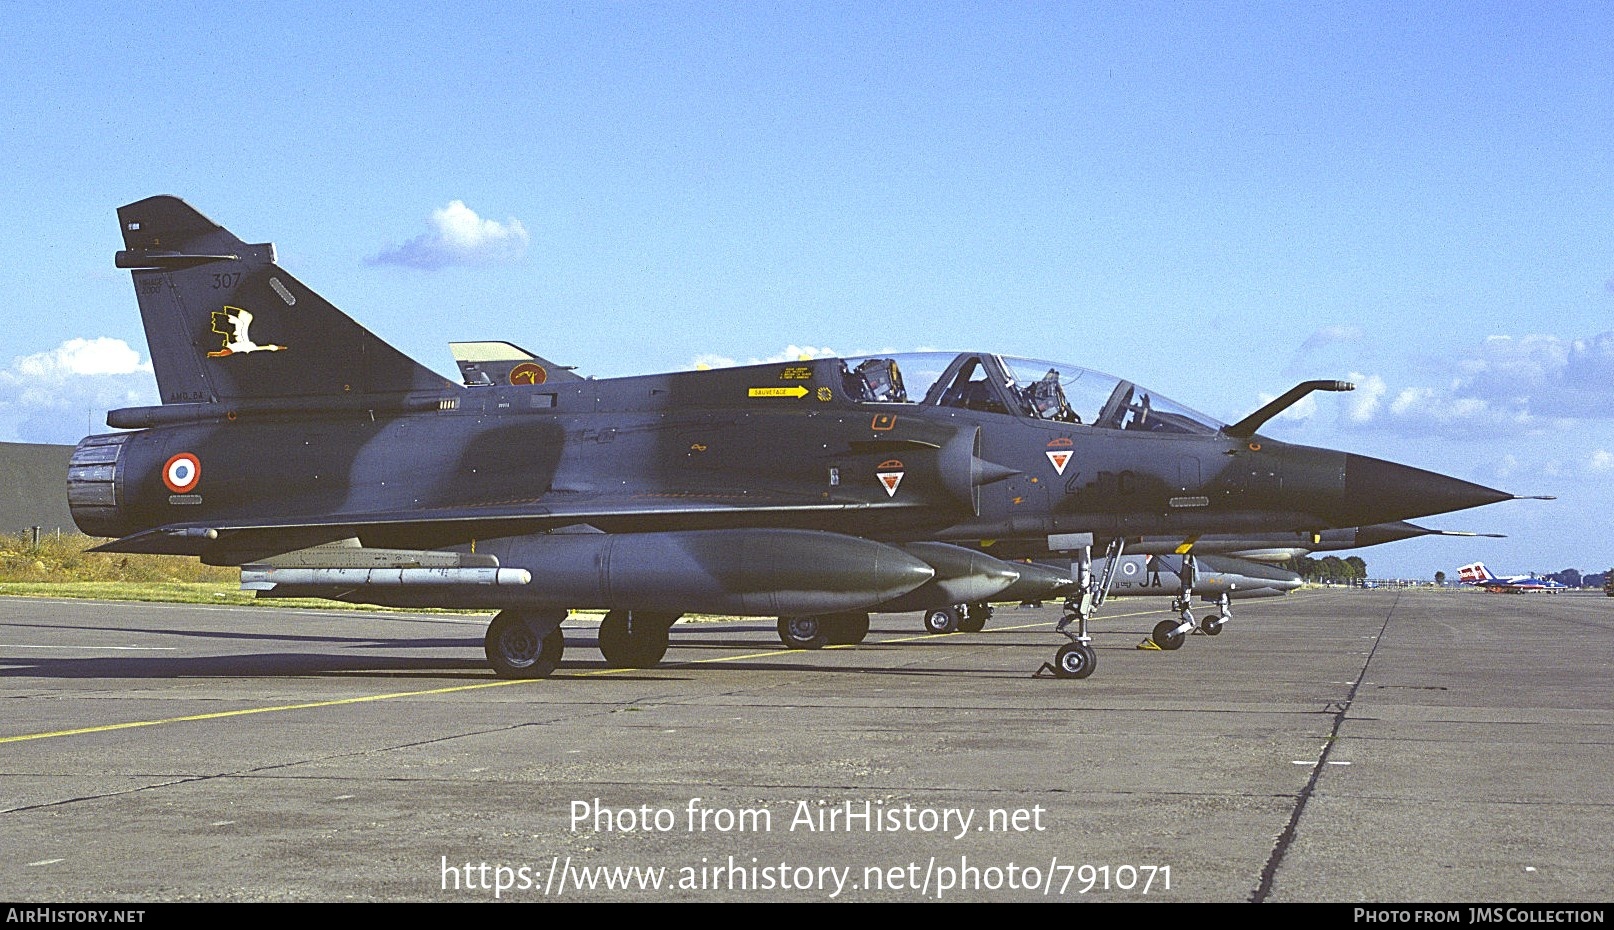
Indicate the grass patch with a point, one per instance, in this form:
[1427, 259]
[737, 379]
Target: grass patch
[63, 567]
[66, 559]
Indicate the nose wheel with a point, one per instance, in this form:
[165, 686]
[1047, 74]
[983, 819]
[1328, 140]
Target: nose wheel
[1168, 634]
[1075, 660]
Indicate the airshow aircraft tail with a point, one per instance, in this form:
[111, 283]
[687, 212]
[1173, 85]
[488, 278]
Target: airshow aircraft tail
[1475, 573]
[225, 324]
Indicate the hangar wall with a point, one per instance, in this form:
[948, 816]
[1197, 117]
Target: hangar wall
[33, 488]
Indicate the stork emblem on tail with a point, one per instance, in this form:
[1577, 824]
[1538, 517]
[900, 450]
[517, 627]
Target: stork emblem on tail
[232, 323]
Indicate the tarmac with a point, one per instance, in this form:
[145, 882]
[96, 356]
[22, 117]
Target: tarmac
[1387, 746]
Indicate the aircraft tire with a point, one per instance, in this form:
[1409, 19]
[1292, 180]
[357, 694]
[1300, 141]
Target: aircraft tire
[515, 650]
[1075, 660]
[975, 617]
[634, 639]
[1212, 625]
[942, 620]
[802, 632]
[846, 629]
[1165, 638]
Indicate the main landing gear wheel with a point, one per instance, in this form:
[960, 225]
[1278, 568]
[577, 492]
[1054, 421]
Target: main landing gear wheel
[1075, 660]
[803, 632]
[846, 629]
[1165, 635]
[975, 617]
[516, 648]
[1211, 625]
[943, 620]
[634, 638]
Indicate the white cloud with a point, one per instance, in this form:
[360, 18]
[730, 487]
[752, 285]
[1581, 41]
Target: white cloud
[457, 236]
[1366, 399]
[60, 395]
[1601, 460]
[99, 356]
[1502, 386]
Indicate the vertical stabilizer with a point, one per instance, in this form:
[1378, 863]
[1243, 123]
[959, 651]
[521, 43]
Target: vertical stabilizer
[224, 322]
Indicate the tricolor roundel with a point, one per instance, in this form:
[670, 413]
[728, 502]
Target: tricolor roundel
[182, 472]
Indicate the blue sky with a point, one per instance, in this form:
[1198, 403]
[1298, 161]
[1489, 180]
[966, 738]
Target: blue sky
[1216, 200]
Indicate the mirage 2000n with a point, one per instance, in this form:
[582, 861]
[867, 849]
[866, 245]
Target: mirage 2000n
[296, 444]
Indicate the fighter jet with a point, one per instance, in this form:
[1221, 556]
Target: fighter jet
[1236, 574]
[334, 466]
[1285, 546]
[1218, 580]
[1214, 579]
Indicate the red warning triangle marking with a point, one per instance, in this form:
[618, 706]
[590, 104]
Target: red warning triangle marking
[1060, 458]
[890, 479]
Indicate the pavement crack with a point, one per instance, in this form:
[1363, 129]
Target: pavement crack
[1340, 710]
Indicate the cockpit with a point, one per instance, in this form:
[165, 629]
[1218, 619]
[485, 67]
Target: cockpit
[1019, 387]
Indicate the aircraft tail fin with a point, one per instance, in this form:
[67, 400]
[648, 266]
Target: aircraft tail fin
[225, 323]
[1474, 573]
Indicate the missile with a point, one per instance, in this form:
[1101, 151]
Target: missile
[267, 578]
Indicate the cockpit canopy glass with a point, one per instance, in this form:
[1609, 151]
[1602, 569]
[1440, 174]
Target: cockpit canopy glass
[1018, 387]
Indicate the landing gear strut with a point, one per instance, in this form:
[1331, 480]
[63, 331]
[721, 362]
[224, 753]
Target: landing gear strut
[1169, 634]
[1076, 659]
[525, 643]
[1213, 624]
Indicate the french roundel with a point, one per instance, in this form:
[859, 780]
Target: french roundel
[182, 473]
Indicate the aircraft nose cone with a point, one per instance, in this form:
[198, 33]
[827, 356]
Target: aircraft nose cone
[1377, 491]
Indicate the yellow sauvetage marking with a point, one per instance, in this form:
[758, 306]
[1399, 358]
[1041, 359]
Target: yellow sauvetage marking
[797, 391]
[219, 715]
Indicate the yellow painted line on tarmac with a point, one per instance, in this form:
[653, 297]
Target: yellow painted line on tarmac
[220, 715]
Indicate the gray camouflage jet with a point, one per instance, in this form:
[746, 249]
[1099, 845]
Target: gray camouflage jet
[294, 443]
